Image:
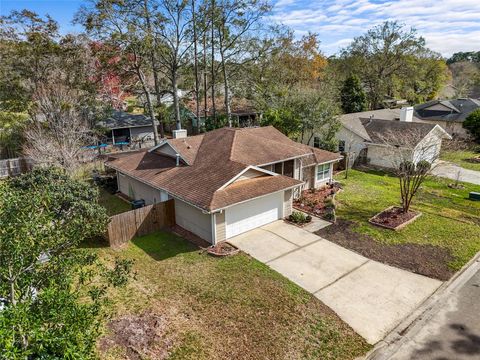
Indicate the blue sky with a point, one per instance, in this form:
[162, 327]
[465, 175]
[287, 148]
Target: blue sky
[447, 25]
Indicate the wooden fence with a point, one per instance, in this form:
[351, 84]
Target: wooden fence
[124, 227]
[12, 167]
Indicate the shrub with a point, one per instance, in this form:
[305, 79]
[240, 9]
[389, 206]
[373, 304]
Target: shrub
[299, 217]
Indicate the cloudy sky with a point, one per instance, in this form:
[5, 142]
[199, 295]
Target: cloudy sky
[447, 25]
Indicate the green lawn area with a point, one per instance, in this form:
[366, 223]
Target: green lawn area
[460, 157]
[449, 219]
[226, 308]
[112, 203]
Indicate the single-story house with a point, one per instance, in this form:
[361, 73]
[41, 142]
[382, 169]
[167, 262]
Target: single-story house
[226, 181]
[122, 127]
[384, 138]
[449, 114]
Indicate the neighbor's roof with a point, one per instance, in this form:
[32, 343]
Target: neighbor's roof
[396, 132]
[353, 121]
[122, 119]
[215, 158]
[456, 109]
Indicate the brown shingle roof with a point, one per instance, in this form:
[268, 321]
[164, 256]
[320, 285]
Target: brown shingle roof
[214, 159]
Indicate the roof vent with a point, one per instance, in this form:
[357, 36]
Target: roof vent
[177, 163]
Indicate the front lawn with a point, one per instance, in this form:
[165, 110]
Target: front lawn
[461, 158]
[450, 222]
[201, 307]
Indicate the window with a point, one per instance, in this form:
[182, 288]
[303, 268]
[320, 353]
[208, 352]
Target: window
[316, 142]
[341, 145]
[278, 168]
[323, 172]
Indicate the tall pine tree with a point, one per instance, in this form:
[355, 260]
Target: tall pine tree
[352, 96]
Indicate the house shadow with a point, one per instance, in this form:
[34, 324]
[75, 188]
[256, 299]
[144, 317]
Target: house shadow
[162, 245]
[465, 345]
[98, 242]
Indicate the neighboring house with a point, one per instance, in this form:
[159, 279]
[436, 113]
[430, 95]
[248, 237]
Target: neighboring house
[226, 181]
[449, 114]
[122, 127]
[385, 137]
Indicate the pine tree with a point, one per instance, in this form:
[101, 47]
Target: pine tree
[352, 96]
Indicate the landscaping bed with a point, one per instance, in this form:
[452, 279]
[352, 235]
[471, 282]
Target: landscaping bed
[428, 260]
[223, 249]
[318, 202]
[394, 218]
[298, 218]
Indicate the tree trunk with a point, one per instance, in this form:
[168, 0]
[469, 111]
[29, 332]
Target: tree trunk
[214, 110]
[195, 58]
[205, 80]
[176, 103]
[226, 86]
[149, 103]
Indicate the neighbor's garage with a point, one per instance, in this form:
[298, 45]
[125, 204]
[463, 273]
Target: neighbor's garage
[253, 213]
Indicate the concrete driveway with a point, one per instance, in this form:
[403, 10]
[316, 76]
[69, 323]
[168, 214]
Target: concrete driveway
[452, 171]
[371, 297]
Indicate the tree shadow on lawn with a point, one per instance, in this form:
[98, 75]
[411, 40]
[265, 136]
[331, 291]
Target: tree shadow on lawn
[163, 245]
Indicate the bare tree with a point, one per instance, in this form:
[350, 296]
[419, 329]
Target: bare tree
[61, 130]
[413, 156]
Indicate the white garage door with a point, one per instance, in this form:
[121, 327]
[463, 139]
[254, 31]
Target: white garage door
[252, 214]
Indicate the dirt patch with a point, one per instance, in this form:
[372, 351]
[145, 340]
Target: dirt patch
[394, 218]
[138, 336]
[223, 249]
[428, 260]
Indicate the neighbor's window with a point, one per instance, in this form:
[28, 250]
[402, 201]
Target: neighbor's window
[323, 172]
[341, 145]
[316, 142]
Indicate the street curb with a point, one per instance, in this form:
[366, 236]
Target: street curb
[412, 324]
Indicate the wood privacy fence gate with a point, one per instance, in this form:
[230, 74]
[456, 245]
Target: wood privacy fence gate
[124, 227]
[13, 167]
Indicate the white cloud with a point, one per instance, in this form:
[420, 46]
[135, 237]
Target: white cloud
[447, 25]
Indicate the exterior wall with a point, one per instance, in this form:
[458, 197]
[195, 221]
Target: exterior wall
[220, 227]
[167, 150]
[138, 190]
[249, 174]
[143, 132]
[386, 157]
[287, 203]
[453, 128]
[353, 143]
[429, 148]
[193, 220]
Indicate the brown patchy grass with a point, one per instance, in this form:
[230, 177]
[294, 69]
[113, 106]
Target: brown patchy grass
[227, 308]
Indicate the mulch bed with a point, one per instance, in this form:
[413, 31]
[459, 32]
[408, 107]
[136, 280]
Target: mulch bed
[393, 218]
[223, 249]
[313, 201]
[139, 336]
[428, 260]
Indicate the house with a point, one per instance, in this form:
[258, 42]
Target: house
[386, 137]
[226, 181]
[449, 114]
[123, 128]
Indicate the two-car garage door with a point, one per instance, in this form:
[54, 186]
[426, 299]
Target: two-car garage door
[252, 214]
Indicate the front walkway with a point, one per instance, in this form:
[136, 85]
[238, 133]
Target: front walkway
[371, 297]
[452, 171]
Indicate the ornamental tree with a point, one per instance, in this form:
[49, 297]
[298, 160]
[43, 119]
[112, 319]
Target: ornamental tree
[52, 291]
[472, 124]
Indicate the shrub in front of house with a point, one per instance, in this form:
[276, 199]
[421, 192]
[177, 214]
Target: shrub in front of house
[300, 218]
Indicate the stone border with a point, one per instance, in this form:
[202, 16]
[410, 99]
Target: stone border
[210, 250]
[398, 227]
[298, 225]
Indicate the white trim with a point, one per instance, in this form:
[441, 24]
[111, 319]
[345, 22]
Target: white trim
[257, 197]
[326, 162]
[214, 228]
[250, 167]
[166, 142]
[283, 160]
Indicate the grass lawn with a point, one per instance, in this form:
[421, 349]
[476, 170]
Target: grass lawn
[112, 203]
[449, 219]
[225, 308]
[460, 157]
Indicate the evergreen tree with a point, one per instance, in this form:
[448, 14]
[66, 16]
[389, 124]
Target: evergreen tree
[352, 96]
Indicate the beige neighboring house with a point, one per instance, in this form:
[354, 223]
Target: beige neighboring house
[384, 138]
[226, 181]
[449, 114]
